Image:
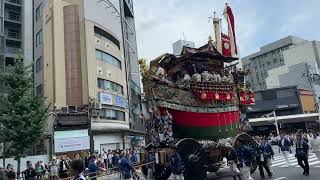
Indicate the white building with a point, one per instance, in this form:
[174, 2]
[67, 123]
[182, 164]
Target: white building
[178, 45]
[299, 60]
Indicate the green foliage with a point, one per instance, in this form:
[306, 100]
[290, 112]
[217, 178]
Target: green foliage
[22, 115]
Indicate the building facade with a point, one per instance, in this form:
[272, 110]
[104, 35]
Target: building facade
[15, 33]
[301, 68]
[89, 58]
[286, 103]
[269, 57]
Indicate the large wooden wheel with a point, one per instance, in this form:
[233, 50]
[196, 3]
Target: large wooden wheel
[193, 157]
[250, 142]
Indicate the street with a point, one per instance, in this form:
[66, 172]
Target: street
[280, 169]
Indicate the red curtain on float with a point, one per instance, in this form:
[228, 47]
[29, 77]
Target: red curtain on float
[194, 119]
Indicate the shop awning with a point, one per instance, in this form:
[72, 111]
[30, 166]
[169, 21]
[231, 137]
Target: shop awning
[285, 119]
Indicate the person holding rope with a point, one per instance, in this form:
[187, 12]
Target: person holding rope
[125, 167]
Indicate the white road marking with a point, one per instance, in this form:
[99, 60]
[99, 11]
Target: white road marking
[280, 178]
[295, 163]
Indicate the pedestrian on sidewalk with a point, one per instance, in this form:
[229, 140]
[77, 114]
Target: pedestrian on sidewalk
[76, 169]
[263, 153]
[302, 154]
[11, 175]
[284, 145]
[244, 155]
[30, 172]
[315, 144]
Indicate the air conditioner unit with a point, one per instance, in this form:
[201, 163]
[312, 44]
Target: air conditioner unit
[95, 113]
[72, 108]
[97, 105]
[64, 109]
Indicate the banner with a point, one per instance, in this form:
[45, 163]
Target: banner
[71, 144]
[106, 99]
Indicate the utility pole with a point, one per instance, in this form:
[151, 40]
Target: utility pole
[273, 113]
[310, 79]
[276, 122]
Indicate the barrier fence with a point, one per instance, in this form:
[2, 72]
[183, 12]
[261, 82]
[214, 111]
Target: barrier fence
[109, 173]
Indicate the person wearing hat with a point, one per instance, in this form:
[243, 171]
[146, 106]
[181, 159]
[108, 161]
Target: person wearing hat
[244, 155]
[302, 154]
[176, 164]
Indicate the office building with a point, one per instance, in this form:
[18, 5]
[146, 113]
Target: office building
[15, 33]
[269, 57]
[178, 45]
[301, 68]
[88, 56]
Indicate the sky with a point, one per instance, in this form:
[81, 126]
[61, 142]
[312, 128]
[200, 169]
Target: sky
[159, 23]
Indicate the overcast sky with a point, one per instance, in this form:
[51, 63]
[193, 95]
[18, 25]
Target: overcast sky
[159, 23]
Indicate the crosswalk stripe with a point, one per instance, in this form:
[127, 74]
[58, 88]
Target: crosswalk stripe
[280, 161]
[296, 162]
[312, 163]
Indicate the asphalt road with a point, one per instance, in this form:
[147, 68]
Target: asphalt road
[280, 171]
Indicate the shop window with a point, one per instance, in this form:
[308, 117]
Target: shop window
[112, 114]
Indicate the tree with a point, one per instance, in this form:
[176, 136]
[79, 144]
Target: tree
[22, 115]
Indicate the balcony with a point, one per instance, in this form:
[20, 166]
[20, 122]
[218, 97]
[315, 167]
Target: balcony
[13, 35]
[13, 17]
[13, 2]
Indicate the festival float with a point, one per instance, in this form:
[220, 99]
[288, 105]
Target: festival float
[196, 100]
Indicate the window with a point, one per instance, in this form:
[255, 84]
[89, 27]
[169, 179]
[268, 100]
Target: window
[108, 58]
[109, 85]
[39, 90]
[269, 64]
[268, 95]
[39, 12]
[275, 61]
[286, 93]
[39, 64]
[106, 36]
[39, 38]
[111, 114]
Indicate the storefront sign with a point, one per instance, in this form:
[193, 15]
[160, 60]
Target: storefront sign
[109, 99]
[106, 99]
[71, 144]
[119, 101]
